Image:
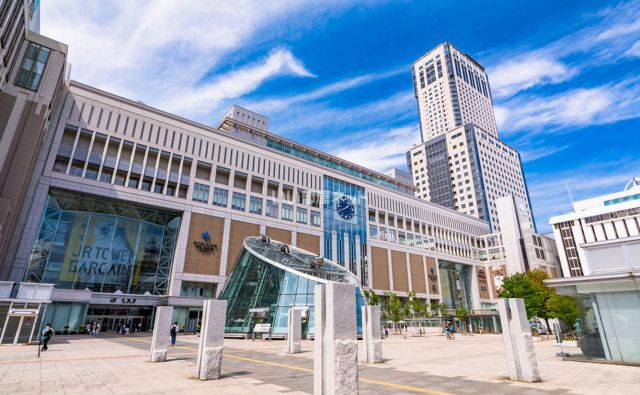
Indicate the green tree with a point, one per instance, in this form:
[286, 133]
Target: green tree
[438, 309]
[521, 285]
[373, 299]
[540, 300]
[563, 308]
[463, 314]
[394, 308]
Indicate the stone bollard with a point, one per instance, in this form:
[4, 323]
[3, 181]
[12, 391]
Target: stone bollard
[371, 334]
[209, 360]
[294, 331]
[518, 342]
[335, 340]
[161, 336]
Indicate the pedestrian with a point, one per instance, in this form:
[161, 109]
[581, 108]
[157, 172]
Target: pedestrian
[47, 332]
[97, 330]
[139, 326]
[174, 332]
[452, 331]
[386, 333]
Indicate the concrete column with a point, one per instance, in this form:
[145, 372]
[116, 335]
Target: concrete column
[336, 346]
[358, 265]
[209, 361]
[522, 364]
[346, 251]
[161, 336]
[294, 331]
[371, 334]
[334, 247]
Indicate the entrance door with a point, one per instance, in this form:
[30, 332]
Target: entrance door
[19, 329]
[10, 330]
[26, 329]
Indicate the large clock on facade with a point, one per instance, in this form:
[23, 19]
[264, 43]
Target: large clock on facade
[345, 207]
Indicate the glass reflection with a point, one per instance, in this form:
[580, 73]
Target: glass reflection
[84, 242]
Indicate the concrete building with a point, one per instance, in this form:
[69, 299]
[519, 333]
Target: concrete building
[400, 175]
[467, 169]
[452, 90]
[135, 208]
[31, 75]
[599, 246]
[126, 208]
[461, 163]
[517, 248]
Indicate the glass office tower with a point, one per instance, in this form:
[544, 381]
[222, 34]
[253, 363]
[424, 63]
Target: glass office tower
[271, 275]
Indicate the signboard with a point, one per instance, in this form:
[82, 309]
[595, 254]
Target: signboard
[498, 277]
[262, 328]
[206, 245]
[23, 311]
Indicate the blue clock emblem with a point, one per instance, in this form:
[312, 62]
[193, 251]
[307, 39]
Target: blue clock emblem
[345, 207]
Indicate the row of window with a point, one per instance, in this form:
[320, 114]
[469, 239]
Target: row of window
[220, 198]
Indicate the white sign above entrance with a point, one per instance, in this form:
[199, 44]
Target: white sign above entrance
[262, 328]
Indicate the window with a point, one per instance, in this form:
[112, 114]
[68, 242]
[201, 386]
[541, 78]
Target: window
[220, 197]
[255, 205]
[201, 193]
[239, 201]
[287, 212]
[315, 218]
[302, 196]
[35, 59]
[301, 215]
[373, 231]
[272, 209]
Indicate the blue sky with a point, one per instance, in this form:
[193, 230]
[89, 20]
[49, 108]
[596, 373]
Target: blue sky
[336, 74]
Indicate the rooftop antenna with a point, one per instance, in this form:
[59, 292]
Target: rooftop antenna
[570, 194]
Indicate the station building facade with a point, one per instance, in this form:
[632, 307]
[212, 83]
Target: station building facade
[132, 207]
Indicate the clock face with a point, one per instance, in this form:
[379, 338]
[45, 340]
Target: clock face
[345, 207]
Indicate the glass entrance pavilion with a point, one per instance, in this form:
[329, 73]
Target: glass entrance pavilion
[274, 276]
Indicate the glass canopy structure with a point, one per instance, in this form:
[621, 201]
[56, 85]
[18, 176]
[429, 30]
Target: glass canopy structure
[273, 276]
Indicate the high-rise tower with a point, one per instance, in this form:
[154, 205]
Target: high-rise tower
[452, 90]
[461, 164]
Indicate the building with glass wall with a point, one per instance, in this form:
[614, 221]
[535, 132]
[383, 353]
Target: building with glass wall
[124, 207]
[272, 276]
[599, 246]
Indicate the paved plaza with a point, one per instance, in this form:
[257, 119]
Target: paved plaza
[428, 365]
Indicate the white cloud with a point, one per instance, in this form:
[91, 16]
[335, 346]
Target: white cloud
[607, 40]
[272, 105]
[156, 51]
[574, 108]
[532, 154]
[385, 149]
[525, 72]
[202, 98]
[634, 50]
[549, 195]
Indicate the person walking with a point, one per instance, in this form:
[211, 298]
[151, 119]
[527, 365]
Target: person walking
[452, 331]
[47, 332]
[97, 330]
[174, 332]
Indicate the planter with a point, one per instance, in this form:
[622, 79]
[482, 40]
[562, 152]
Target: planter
[568, 343]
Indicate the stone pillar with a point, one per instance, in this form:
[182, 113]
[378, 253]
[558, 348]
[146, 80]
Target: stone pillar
[522, 364]
[209, 360]
[336, 345]
[161, 336]
[294, 331]
[371, 334]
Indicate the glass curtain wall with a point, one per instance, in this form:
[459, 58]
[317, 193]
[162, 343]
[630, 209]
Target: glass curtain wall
[455, 279]
[353, 226]
[256, 283]
[87, 242]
